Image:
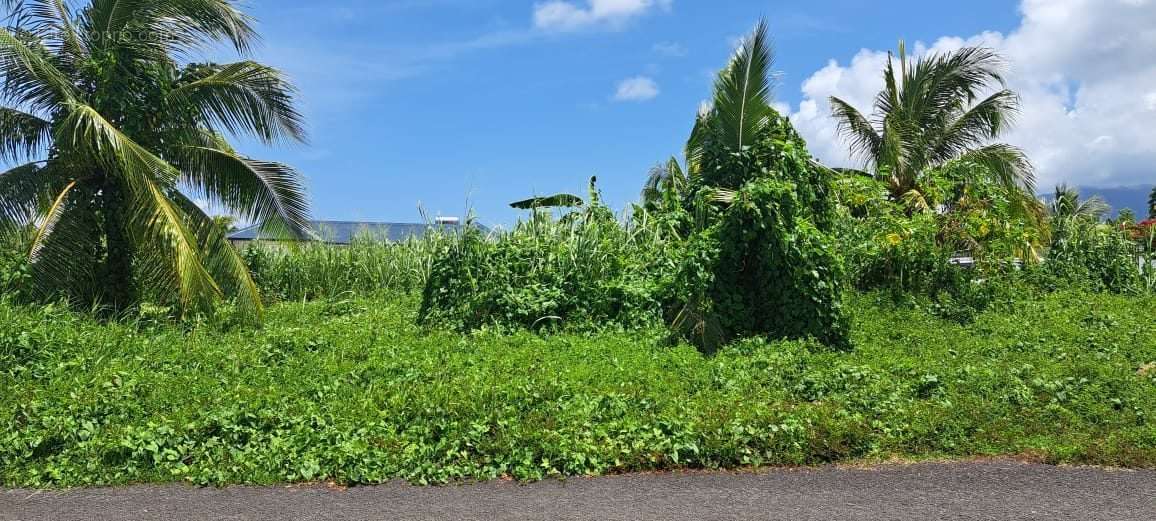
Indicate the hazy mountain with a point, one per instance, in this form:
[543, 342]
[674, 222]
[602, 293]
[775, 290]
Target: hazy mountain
[1134, 197]
[1120, 197]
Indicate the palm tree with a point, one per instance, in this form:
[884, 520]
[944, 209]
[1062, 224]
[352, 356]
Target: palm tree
[1067, 204]
[929, 114]
[665, 180]
[739, 112]
[113, 134]
[737, 115]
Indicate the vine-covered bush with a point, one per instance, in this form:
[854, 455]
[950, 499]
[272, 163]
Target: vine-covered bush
[584, 271]
[763, 270]
[760, 260]
[764, 264]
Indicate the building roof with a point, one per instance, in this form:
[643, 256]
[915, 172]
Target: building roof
[344, 232]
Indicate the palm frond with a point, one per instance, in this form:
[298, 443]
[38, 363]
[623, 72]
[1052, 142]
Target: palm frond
[551, 201]
[742, 91]
[30, 78]
[664, 178]
[65, 246]
[25, 191]
[915, 200]
[22, 135]
[158, 28]
[1152, 204]
[980, 124]
[84, 129]
[51, 22]
[1008, 165]
[243, 97]
[167, 247]
[865, 143]
[694, 146]
[51, 217]
[1066, 203]
[221, 259]
[887, 102]
[270, 194]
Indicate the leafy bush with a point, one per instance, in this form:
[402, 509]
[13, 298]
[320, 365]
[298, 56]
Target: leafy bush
[897, 252]
[761, 260]
[13, 264]
[764, 270]
[584, 270]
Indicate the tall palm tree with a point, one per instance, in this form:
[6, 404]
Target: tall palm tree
[115, 132]
[930, 113]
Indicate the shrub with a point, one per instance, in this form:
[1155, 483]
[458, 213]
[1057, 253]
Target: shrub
[13, 264]
[760, 260]
[764, 270]
[585, 270]
[764, 265]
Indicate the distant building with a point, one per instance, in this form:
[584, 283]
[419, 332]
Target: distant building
[343, 233]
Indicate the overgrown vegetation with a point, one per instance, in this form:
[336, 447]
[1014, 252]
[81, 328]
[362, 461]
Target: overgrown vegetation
[319, 271]
[755, 308]
[354, 391]
[760, 259]
[581, 271]
[13, 264]
[750, 227]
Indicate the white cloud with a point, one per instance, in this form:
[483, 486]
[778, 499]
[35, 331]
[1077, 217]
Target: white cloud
[564, 15]
[676, 50]
[1085, 74]
[638, 88]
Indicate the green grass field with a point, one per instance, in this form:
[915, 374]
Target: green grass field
[352, 391]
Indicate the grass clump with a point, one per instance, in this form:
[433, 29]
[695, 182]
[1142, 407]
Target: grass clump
[353, 391]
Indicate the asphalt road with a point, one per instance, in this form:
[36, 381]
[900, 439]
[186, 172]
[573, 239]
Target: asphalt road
[999, 490]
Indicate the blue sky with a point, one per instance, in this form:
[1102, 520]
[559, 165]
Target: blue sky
[456, 103]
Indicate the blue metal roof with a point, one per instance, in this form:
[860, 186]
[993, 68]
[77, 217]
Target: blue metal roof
[344, 232]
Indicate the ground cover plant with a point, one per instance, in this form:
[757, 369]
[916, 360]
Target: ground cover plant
[354, 391]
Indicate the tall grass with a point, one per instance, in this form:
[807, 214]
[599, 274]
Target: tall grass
[546, 257]
[367, 266]
[580, 269]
